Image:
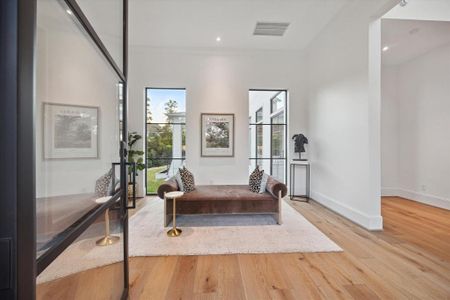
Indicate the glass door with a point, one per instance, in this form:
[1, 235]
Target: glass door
[80, 121]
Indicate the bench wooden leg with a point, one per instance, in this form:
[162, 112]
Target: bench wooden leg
[280, 199]
[165, 210]
[167, 217]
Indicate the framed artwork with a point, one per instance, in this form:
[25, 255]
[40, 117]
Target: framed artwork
[217, 135]
[70, 131]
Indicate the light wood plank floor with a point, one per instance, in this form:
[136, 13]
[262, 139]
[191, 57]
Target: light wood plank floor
[410, 259]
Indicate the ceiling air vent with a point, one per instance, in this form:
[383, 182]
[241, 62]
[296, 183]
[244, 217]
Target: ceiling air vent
[270, 28]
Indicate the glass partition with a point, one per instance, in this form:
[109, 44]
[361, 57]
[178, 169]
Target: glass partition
[76, 263]
[78, 133]
[106, 16]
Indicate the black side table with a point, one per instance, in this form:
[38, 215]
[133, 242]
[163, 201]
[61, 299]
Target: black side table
[292, 165]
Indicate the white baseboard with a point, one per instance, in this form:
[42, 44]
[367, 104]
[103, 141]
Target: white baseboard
[419, 197]
[368, 222]
[389, 191]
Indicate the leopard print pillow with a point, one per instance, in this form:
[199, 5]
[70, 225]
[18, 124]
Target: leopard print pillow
[255, 179]
[102, 184]
[188, 180]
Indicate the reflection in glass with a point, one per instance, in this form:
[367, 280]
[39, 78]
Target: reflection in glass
[83, 254]
[278, 169]
[259, 140]
[259, 115]
[277, 118]
[77, 142]
[277, 141]
[120, 92]
[106, 17]
[278, 102]
[66, 182]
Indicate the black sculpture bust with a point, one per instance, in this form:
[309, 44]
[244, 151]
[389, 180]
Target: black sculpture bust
[299, 141]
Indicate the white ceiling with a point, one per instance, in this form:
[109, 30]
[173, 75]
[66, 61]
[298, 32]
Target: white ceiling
[197, 23]
[408, 39]
[426, 10]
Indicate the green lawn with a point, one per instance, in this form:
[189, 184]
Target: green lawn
[152, 182]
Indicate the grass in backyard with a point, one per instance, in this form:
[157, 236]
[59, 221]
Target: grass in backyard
[152, 182]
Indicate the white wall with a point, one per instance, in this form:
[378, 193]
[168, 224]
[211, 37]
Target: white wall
[343, 114]
[418, 92]
[216, 81]
[389, 130]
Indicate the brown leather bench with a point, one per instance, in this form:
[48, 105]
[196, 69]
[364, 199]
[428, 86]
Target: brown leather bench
[224, 199]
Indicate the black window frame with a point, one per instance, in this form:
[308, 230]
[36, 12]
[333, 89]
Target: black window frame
[147, 159]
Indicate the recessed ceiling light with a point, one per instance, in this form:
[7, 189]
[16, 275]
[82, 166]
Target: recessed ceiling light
[385, 48]
[218, 39]
[68, 11]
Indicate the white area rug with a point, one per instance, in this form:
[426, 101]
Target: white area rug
[254, 234]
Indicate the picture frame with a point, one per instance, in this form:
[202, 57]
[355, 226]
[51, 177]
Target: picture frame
[217, 135]
[70, 131]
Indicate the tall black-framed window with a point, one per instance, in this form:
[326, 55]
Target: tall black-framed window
[165, 134]
[268, 131]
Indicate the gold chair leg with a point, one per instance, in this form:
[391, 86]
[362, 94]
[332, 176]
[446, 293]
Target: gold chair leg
[107, 239]
[174, 231]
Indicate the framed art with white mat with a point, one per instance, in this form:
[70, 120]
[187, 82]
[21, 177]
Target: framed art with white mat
[70, 131]
[217, 135]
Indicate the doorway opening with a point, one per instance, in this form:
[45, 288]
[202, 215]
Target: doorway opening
[415, 107]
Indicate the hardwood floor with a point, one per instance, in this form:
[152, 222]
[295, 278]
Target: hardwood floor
[410, 259]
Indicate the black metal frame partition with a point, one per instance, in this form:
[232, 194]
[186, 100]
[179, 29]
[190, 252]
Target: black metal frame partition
[21, 23]
[17, 235]
[256, 124]
[146, 132]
